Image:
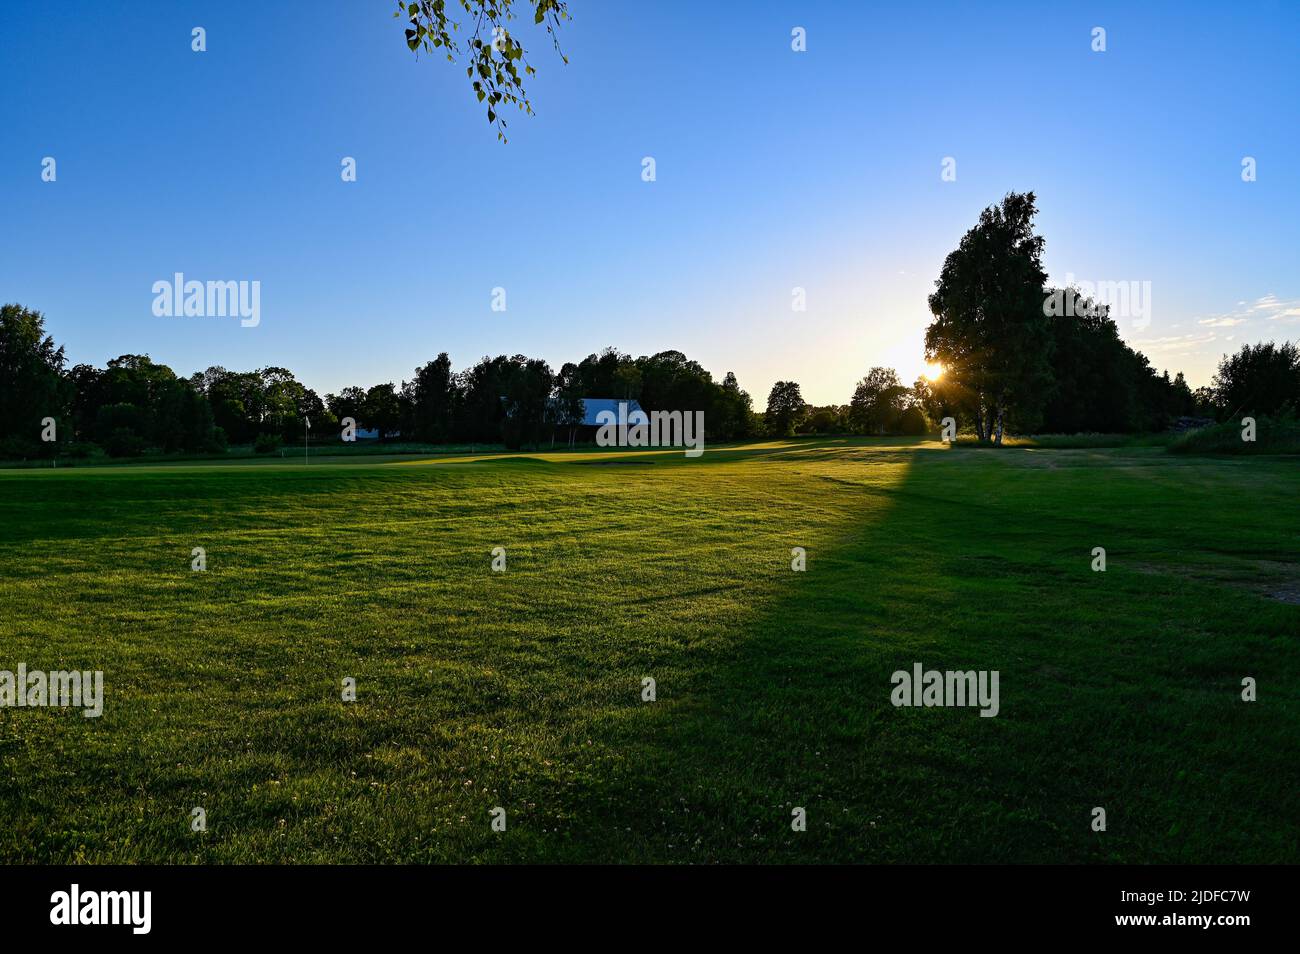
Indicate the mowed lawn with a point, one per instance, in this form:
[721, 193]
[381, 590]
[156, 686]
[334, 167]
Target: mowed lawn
[523, 689]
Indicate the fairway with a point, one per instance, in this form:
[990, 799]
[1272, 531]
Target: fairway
[523, 689]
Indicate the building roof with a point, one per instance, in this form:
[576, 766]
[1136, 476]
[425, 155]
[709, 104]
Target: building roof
[593, 406]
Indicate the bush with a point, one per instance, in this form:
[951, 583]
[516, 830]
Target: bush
[123, 442]
[267, 443]
[912, 422]
[18, 448]
[1273, 435]
[215, 443]
[79, 450]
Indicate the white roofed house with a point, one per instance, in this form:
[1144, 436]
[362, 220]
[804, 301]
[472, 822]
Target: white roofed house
[583, 427]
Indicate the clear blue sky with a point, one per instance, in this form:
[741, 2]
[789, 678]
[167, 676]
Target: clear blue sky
[776, 169]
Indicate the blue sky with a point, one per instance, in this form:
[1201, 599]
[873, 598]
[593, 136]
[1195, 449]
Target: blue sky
[775, 170]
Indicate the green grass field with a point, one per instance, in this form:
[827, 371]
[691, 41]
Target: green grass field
[522, 689]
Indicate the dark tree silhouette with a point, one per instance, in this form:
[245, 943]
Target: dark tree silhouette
[1259, 379]
[878, 402]
[785, 409]
[32, 386]
[989, 329]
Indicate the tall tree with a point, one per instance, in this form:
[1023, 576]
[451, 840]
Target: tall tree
[527, 394]
[731, 412]
[672, 382]
[1260, 379]
[785, 409]
[569, 408]
[878, 401]
[483, 408]
[382, 409]
[286, 400]
[31, 383]
[989, 329]
[431, 397]
[238, 399]
[609, 375]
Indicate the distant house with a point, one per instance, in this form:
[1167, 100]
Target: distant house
[591, 408]
[585, 429]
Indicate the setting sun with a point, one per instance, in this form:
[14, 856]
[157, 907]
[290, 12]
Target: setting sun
[933, 371]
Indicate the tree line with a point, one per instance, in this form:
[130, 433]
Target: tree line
[135, 405]
[1007, 364]
[1012, 364]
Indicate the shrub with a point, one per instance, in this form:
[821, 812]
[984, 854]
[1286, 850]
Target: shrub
[912, 421]
[78, 449]
[18, 448]
[267, 443]
[123, 442]
[216, 442]
[1273, 435]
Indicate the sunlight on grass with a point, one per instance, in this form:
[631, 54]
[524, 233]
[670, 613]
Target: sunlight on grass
[522, 688]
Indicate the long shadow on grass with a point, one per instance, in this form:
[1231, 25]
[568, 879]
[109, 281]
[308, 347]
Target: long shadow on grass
[1117, 691]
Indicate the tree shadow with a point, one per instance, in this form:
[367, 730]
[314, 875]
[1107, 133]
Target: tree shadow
[1117, 691]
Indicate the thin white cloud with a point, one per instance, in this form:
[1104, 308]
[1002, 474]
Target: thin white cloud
[1174, 342]
[1269, 307]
